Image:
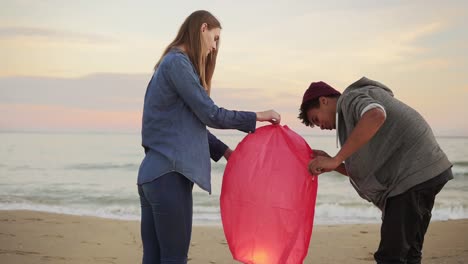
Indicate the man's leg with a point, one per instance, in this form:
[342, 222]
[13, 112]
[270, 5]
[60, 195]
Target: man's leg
[398, 229]
[425, 203]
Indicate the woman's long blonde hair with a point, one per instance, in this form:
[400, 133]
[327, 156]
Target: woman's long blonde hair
[189, 36]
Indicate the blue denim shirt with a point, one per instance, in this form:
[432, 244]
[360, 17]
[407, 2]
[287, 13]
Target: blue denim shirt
[176, 111]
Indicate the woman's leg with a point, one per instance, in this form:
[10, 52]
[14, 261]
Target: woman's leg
[170, 197]
[148, 232]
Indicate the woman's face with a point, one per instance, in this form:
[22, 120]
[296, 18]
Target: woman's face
[210, 38]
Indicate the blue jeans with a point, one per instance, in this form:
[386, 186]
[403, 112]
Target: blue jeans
[166, 219]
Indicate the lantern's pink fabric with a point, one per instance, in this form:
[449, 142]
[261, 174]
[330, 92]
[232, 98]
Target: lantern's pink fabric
[268, 198]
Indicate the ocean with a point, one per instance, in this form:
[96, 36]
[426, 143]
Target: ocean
[94, 174]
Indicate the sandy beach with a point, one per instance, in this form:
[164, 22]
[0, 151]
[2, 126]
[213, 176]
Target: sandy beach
[37, 237]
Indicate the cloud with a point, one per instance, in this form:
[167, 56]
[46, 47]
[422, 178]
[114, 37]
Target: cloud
[258, 99]
[110, 101]
[98, 91]
[53, 35]
[340, 44]
[61, 118]
[34, 51]
[464, 89]
[114, 102]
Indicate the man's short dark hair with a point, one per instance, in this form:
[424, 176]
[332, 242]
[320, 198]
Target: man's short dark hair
[306, 106]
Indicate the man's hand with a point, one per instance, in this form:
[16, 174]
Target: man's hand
[319, 153]
[323, 164]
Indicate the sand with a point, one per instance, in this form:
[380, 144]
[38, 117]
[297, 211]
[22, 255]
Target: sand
[37, 237]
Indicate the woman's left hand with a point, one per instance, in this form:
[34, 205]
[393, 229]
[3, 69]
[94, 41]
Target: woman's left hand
[227, 153]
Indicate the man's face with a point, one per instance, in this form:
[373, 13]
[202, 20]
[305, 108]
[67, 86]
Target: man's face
[325, 115]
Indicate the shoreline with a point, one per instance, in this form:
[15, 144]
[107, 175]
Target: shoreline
[39, 237]
[211, 223]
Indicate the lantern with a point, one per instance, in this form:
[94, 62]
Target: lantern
[268, 198]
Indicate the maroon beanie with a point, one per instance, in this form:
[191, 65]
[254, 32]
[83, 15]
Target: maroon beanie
[317, 89]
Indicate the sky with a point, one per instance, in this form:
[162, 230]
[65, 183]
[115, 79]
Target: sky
[84, 65]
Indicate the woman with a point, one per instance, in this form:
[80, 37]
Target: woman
[177, 109]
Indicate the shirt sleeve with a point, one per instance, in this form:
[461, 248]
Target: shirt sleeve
[217, 147]
[372, 106]
[187, 85]
[357, 103]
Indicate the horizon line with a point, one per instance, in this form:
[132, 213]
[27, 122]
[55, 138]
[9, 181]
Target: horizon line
[236, 133]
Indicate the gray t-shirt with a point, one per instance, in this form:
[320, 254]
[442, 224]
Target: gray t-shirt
[402, 154]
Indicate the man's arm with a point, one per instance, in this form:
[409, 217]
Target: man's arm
[365, 129]
[341, 168]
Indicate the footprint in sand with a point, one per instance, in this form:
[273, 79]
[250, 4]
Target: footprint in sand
[368, 258]
[18, 252]
[92, 243]
[34, 219]
[106, 259]
[53, 258]
[55, 236]
[6, 234]
[7, 220]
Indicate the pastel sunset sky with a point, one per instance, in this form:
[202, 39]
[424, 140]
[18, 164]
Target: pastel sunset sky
[84, 65]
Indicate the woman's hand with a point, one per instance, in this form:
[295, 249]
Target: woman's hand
[270, 115]
[227, 153]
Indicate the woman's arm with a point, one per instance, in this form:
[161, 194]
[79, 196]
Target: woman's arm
[180, 73]
[217, 148]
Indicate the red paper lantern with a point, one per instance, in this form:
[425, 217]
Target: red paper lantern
[268, 198]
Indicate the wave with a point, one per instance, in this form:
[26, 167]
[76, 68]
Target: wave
[457, 170]
[66, 197]
[22, 168]
[325, 214]
[218, 167]
[103, 166]
[339, 214]
[460, 164]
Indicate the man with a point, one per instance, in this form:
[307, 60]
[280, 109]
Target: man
[390, 155]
